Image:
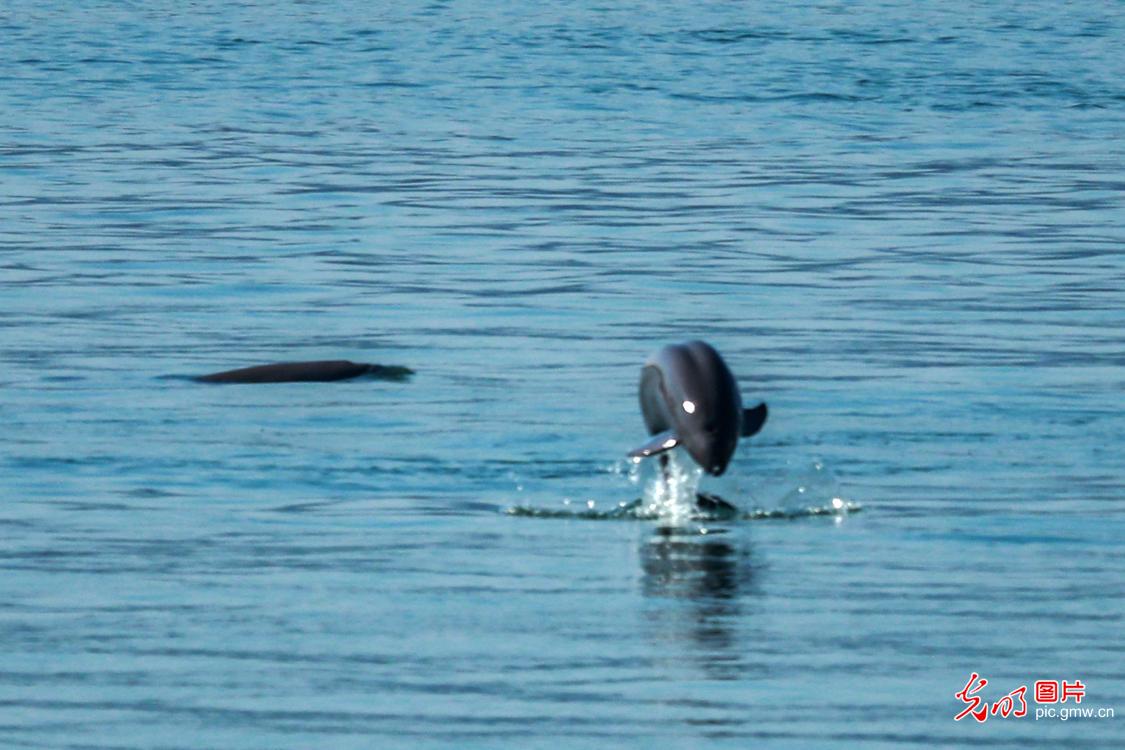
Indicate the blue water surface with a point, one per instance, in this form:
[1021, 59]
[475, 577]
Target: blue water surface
[903, 223]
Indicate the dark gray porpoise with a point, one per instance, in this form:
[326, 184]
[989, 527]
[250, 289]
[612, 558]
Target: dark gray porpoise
[294, 372]
[689, 397]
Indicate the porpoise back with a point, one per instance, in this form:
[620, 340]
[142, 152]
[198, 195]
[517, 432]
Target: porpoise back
[296, 372]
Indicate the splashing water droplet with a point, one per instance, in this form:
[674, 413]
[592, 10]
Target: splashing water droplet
[672, 491]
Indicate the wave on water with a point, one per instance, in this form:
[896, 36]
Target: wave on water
[806, 492]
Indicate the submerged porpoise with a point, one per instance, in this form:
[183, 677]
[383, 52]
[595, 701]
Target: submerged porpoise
[689, 397]
[296, 372]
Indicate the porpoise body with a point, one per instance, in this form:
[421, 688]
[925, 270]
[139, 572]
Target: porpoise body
[690, 398]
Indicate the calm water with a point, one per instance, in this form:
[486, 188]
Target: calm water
[902, 223]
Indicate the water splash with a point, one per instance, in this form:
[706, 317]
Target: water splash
[671, 491]
[807, 490]
[807, 486]
[638, 511]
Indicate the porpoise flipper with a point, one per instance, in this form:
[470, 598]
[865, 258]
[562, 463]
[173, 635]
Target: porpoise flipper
[298, 372]
[753, 419]
[658, 443]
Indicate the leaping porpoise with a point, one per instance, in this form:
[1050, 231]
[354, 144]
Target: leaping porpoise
[689, 397]
[294, 372]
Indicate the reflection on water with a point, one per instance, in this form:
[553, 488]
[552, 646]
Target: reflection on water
[706, 576]
[690, 564]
